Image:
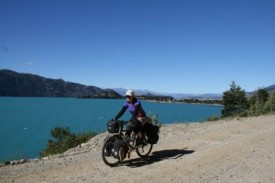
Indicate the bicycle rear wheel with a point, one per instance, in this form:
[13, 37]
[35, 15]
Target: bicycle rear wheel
[144, 150]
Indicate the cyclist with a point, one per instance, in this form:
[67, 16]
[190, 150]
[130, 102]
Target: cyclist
[138, 118]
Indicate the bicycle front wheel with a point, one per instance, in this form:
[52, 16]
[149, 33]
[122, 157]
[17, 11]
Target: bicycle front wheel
[108, 151]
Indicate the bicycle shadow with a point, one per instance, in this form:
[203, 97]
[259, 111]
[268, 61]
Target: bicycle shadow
[157, 156]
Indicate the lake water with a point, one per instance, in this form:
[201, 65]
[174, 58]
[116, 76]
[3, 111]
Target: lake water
[26, 122]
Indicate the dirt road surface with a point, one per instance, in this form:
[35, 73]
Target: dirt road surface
[233, 150]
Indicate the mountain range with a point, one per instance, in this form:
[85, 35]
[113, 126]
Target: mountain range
[182, 96]
[29, 85]
[206, 96]
[270, 89]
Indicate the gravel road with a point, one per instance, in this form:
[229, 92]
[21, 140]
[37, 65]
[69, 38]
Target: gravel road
[232, 150]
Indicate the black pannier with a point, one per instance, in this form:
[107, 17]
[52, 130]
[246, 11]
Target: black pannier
[152, 133]
[120, 144]
[113, 126]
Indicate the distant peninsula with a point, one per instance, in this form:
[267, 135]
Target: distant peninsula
[16, 84]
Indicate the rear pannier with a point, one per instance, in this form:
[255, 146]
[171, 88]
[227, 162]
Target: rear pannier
[152, 133]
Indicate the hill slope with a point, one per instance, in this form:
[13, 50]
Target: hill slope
[236, 150]
[270, 89]
[29, 85]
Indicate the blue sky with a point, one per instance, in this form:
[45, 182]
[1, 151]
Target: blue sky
[178, 46]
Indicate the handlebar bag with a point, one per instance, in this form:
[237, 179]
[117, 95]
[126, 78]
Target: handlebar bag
[113, 126]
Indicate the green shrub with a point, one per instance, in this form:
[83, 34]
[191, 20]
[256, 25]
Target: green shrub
[269, 105]
[155, 119]
[64, 140]
[261, 103]
[256, 109]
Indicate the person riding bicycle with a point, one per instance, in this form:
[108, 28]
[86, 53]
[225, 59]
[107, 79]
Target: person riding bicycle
[139, 117]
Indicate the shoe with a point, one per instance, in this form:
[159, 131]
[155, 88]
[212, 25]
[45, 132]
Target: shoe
[122, 154]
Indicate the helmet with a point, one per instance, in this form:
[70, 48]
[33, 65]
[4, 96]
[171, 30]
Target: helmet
[130, 93]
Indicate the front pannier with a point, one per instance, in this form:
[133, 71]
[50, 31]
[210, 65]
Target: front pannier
[120, 144]
[113, 126]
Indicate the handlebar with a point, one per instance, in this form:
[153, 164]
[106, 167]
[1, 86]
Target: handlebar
[116, 126]
[122, 123]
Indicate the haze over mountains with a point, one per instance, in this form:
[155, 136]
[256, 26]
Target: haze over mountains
[23, 84]
[216, 96]
[205, 96]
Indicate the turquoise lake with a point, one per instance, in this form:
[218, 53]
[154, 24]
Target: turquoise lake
[26, 122]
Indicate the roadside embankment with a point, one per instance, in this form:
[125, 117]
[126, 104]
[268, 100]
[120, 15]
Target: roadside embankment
[232, 150]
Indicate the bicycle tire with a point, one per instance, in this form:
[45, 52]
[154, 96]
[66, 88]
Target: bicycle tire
[109, 159]
[146, 153]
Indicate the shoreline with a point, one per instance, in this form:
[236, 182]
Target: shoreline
[196, 152]
[176, 102]
[27, 160]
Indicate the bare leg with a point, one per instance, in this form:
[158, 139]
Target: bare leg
[140, 136]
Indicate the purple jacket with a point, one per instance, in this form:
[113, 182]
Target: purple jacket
[135, 108]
